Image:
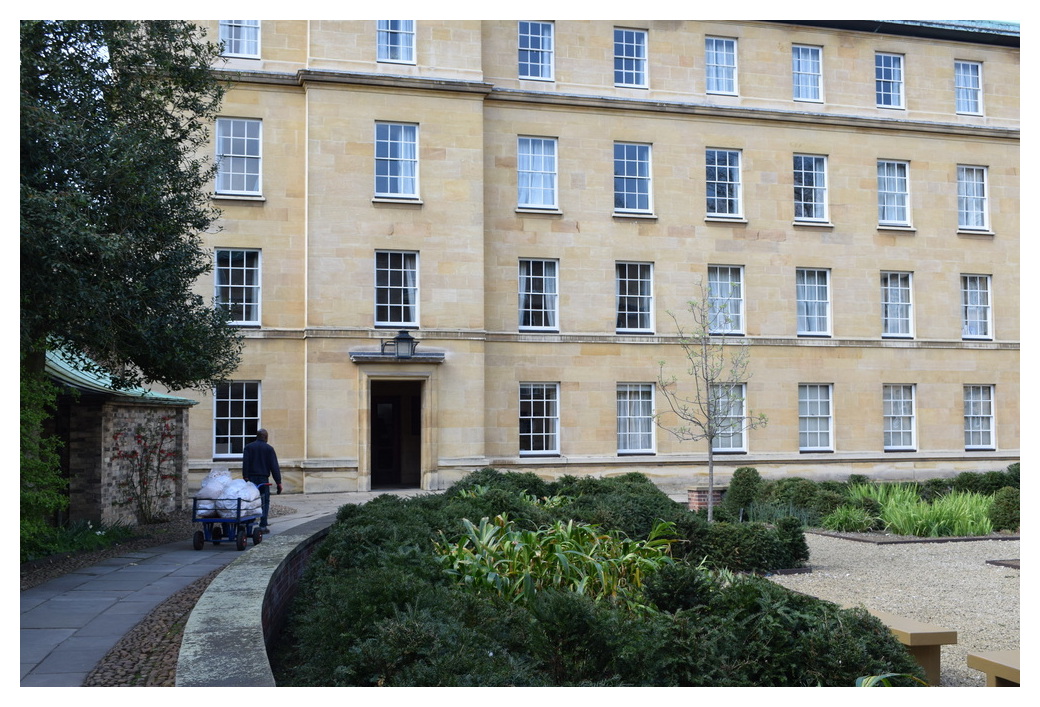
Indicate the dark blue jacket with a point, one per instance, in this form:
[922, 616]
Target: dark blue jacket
[259, 462]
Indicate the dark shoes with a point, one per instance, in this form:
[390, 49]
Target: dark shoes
[264, 530]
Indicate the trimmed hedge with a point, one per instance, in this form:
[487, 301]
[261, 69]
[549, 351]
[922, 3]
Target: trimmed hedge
[375, 606]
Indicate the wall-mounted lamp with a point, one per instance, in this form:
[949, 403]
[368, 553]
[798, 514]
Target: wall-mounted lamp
[401, 346]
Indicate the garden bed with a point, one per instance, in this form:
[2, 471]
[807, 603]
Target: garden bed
[890, 539]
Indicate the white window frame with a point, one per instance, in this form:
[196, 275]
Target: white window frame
[234, 36]
[897, 304]
[807, 73]
[395, 41]
[530, 47]
[538, 295]
[893, 189]
[899, 412]
[812, 308]
[536, 172]
[635, 418]
[726, 299]
[396, 288]
[720, 65]
[630, 57]
[815, 417]
[634, 297]
[810, 188]
[396, 160]
[967, 86]
[725, 178]
[889, 80]
[539, 419]
[976, 307]
[236, 417]
[237, 287]
[979, 417]
[239, 155]
[972, 197]
[732, 406]
[633, 178]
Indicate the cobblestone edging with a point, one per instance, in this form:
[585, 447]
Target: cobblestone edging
[225, 639]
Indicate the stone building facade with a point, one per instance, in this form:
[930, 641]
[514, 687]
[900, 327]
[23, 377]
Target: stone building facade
[529, 200]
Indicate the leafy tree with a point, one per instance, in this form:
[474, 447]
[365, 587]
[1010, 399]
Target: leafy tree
[114, 114]
[709, 403]
[114, 117]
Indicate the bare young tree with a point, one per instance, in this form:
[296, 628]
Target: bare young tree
[710, 403]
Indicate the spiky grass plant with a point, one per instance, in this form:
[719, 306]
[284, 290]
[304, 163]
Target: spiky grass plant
[494, 555]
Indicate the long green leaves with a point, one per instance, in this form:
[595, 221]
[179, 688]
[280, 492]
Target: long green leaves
[904, 513]
[494, 555]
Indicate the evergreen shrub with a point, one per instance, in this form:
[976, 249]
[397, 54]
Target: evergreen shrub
[1004, 513]
[742, 491]
[375, 607]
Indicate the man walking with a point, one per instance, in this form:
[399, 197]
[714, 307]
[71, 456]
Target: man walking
[259, 463]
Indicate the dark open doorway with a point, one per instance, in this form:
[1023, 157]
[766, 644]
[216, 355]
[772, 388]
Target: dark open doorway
[396, 434]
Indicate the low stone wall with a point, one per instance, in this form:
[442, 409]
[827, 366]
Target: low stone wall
[245, 606]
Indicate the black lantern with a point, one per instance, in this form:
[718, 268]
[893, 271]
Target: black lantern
[402, 345]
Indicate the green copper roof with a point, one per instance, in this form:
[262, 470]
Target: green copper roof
[62, 371]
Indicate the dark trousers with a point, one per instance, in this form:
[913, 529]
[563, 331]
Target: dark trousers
[265, 499]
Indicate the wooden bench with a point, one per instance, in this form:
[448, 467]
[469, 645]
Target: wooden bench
[1001, 667]
[923, 640]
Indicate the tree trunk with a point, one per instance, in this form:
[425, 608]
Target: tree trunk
[711, 484]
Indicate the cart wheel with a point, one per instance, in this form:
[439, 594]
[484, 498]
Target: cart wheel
[240, 541]
[257, 536]
[198, 540]
[217, 531]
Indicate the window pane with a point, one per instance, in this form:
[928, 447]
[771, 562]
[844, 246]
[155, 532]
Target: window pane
[810, 187]
[237, 278]
[893, 193]
[537, 294]
[968, 86]
[978, 417]
[238, 156]
[629, 57]
[720, 65]
[898, 411]
[975, 307]
[536, 172]
[806, 72]
[722, 182]
[888, 80]
[725, 299]
[236, 416]
[240, 37]
[635, 417]
[814, 417]
[634, 297]
[896, 319]
[397, 163]
[539, 418]
[397, 289]
[971, 197]
[631, 177]
[535, 50]
[813, 301]
[395, 40]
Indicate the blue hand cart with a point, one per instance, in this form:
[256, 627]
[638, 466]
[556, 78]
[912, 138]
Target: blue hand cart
[217, 530]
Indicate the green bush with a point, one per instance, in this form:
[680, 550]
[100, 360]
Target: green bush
[988, 482]
[375, 607]
[1004, 513]
[742, 491]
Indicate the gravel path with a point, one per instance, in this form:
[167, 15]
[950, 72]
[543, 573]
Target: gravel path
[944, 583]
